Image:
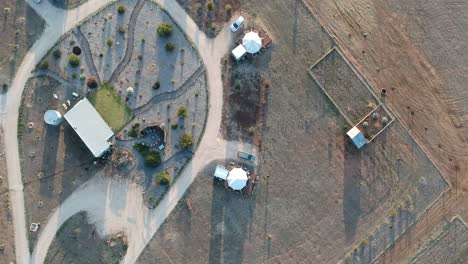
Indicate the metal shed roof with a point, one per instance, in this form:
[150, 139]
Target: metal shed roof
[90, 127]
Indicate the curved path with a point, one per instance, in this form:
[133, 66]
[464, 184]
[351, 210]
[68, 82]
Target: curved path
[124, 210]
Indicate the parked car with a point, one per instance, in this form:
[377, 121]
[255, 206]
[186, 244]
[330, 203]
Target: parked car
[246, 156]
[236, 25]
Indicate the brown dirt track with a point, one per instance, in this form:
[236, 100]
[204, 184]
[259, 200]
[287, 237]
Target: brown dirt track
[413, 48]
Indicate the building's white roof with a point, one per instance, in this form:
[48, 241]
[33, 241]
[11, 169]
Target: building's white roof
[237, 178]
[90, 126]
[353, 132]
[238, 52]
[221, 172]
[252, 42]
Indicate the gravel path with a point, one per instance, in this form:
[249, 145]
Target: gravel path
[170, 95]
[115, 205]
[130, 41]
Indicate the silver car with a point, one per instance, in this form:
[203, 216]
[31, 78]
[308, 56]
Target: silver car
[236, 25]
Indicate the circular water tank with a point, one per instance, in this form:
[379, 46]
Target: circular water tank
[52, 117]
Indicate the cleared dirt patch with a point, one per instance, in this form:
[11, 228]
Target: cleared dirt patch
[348, 92]
[20, 27]
[77, 236]
[210, 19]
[245, 96]
[7, 239]
[448, 246]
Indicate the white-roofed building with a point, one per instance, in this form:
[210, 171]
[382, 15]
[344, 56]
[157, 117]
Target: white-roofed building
[357, 137]
[90, 127]
[239, 52]
[237, 179]
[221, 172]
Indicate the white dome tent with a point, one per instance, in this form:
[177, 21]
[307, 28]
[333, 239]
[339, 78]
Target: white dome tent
[237, 179]
[252, 42]
[52, 117]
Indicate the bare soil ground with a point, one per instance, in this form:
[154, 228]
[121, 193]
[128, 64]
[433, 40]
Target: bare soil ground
[449, 246]
[77, 236]
[54, 160]
[67, 4]
[414, 50]
[206, 18]
[21, 26]
[321, 193]
[343, 86]
[245, 97]
[7, 239]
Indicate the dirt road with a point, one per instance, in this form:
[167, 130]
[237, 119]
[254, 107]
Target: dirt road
[113, 213]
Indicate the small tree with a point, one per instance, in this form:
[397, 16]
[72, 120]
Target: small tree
[156, 85]
[43, 65]
[110, 42]
[74, 60]
[228, 8]
[182, 112]
[210, 5]
[164, 30]
[164, 178]
[121, 9]
[92, 82]
[4, 85]
[170, 46]
[186, 141]
[57, 54]
[152, 159]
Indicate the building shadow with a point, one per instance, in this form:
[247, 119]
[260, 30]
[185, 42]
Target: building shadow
[49, 161]
[351, 192]
[231, 216]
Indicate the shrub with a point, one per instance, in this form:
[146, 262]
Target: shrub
[121, 9]
[43, 64]
[213, 26]
[156, 85]
[182, 112]
[228, 8]
[164, 178]
[57, 54]
[143, 40]
[170, 46]
[210, 5]
[365, 125]
[174, 126]
[4, 85]
[122, 29]
[164, 30]
[82, 77]
[375, 116]
[110, 42]
[237, 86]
[77, 231]
[92, 82]
[151, 158]
[198, 6]
[132, 133]
[74, 60]
[74, 75]
[384, 120]
[186, 141]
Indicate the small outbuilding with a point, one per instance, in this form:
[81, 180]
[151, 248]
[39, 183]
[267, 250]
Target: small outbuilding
[239, 52]
[221, 172]
[357, 137]
[90, 127]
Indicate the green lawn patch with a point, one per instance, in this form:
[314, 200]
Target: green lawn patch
[111, 107]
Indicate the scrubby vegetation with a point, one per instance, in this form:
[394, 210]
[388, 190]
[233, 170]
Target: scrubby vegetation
[186, 141]
[164, 30]
[182, 112]
[151, 158]
[74, 60]
[164, 178]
